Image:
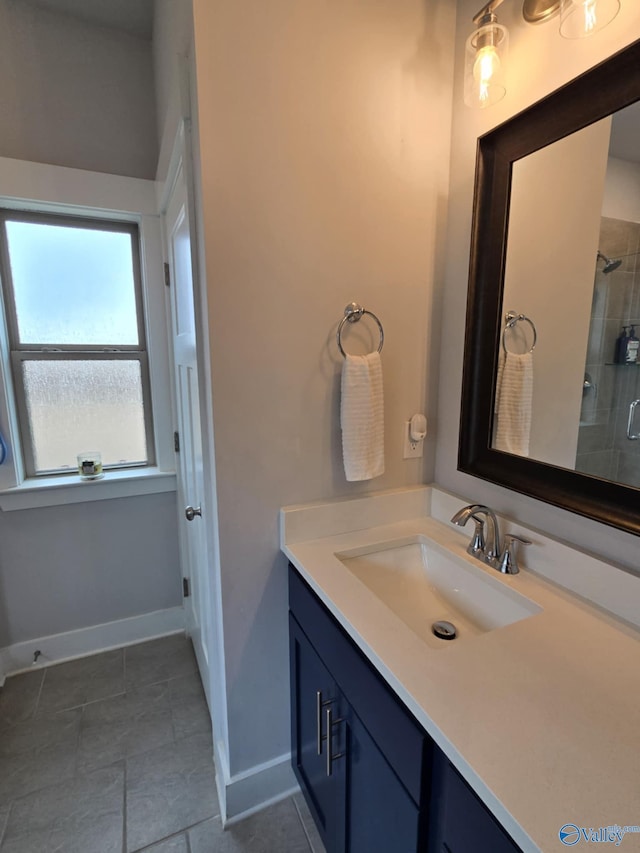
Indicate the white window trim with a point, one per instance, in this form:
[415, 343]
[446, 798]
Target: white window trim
[58, 189]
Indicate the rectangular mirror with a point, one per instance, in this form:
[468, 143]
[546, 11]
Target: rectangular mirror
[552, 352]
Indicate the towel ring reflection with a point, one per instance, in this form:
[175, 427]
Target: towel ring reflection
[352, 313]
[511, 318]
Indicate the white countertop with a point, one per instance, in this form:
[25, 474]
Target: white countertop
[541, 717]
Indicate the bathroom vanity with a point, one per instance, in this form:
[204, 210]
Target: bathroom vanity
[373, 778]
[402, 741]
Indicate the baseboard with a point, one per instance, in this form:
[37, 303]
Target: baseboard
[255, 789]
[87, 641]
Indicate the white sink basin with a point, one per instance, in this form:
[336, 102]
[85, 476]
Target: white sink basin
[422, 582]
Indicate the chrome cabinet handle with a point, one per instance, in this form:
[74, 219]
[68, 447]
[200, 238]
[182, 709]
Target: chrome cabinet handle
[331, 757]
[632, 436]
[320, 704]
[191, 513]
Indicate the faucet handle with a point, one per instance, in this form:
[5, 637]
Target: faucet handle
[477, 544]
[509, 560]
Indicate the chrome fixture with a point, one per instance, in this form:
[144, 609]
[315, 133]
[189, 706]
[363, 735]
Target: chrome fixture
[510, 320]
[352, 313]
[190, 513]
[631, 435]
[509, 560]
[490, 551]
[485, 54]
[486, 47]
[610, 264]
[485, 550]
[539, 11]
[331, 755]
[444, 630]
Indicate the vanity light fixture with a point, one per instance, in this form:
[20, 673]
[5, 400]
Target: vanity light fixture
[578, 18]
[486, 47]
[485, 55]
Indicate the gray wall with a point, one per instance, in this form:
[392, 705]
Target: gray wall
[324, 180]
[68, 567]
[539, 61]
[81, 96]
[74, 94]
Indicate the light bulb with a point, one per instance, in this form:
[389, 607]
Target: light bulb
[485, 54]
[590, 20]
[486, 67]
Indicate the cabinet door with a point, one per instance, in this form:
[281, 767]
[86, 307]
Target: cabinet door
[381, 816]
[460, 821]
[325, 794]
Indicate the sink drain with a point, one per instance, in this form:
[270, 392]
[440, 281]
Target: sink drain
[444, 630]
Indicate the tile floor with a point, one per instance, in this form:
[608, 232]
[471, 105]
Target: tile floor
[112, 754]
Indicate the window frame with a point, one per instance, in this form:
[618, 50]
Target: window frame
[19, 352]
[43, 187]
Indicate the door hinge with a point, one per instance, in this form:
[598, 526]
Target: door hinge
[167, 275]
[176, 442]
[186, 592]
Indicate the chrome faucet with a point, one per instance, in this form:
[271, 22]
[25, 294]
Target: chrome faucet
[489, 550]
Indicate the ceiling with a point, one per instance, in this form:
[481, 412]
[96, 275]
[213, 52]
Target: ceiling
[131, 16]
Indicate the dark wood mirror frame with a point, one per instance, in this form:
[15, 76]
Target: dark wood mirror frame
[601, 91]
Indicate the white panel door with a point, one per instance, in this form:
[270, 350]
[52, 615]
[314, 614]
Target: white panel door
[191, 497]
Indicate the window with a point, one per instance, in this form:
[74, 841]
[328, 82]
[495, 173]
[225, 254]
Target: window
[73, 304]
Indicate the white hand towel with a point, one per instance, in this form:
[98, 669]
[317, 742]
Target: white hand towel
[362, 417]
[514, 395]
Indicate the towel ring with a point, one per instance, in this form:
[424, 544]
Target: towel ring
[352, 313]
[511, 318]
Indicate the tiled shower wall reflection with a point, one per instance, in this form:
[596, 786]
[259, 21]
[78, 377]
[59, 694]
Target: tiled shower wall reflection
[603, 447]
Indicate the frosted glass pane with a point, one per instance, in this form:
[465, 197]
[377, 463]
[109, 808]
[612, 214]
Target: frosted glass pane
[72, 285]
[75, 406]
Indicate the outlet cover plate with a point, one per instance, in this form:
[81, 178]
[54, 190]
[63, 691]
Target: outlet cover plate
[410, 449]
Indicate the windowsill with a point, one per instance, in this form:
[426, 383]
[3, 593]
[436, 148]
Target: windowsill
[70, 489]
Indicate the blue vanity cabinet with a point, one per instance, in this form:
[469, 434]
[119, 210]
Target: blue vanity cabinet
[356, 799]
[389, 789]
[313, 691]
[460, 822]
[381, 816]
[368, 800]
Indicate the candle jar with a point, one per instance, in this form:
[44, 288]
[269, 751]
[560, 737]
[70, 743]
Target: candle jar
[90, 465]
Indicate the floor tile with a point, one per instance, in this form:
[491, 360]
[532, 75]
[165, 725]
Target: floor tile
[177, 844]
[83, 816]
[169, 789]
[19, 696]
[125, 725]
[189, 709]
[38, 753]
[89, 679]
[4, 817]
[277, 828]
[159, 660]
[309, 824]
[40, 732]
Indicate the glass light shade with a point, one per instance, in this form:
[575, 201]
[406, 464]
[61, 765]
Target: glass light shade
[582, 18]
[484, 66]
